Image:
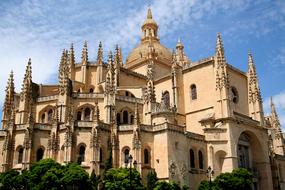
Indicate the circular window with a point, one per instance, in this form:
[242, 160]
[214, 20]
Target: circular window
[234, 95]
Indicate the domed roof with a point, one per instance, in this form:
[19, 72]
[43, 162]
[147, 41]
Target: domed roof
[150, 38]
[140, 53]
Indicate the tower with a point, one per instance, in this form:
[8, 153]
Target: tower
[149, 28]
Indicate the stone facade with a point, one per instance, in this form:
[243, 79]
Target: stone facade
[171, 114]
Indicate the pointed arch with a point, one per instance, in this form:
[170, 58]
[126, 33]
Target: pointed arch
[193, 91]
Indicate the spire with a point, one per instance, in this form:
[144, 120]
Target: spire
[149, 14]
[100, 54]
[27, 82]
[9, 98]
[274, 114]
[223, 79]
[117, 59]
[63, 73]
[96, 113]
[85, 54]
[71, 55]
[254, 91]
[219, 45]
[10, 90]
[179, 44]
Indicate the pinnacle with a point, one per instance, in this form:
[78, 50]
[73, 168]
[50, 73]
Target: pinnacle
[30, 61]
[149, 14]
[219, 44]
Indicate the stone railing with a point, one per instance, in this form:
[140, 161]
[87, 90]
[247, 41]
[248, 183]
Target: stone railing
[2, 133]
[43, 126]
[195, 136]
[125, 127]
[84, 123]
[204, 60]
[146, 127]
[47, 98]
[20, 127]
[88, 95]
[129, 99]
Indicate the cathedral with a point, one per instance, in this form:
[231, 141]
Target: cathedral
[166, 112]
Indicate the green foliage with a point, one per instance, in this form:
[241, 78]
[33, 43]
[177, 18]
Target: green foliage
[119, 179]
[75, 175]
[95, 180]
[46, 175]
[151, 179]
[238, 179]
[163, 185]
[109, 162]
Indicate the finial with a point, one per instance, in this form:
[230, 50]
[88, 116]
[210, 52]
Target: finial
[100, 44]
[30, 61]
[149, 14]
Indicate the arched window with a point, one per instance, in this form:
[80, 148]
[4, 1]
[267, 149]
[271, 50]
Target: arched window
[125, 117]
[91, 90]
[101, 155]
[78, 91]
[78, 117]
[234, 95]
[43, 118]
[118, 118]
[146, 156]
[165, 97]
[193, 92]
[49, 115]
[201, 161]
[20, 155]
[127, 154]
[81, 157]
[87, 114]
[40, 154]
[192, 159]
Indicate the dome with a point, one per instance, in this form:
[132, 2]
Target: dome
[140, 53]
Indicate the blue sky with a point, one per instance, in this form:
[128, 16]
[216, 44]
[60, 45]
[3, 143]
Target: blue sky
[41, 29]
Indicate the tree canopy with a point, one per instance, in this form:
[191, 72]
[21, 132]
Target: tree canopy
[238, 179]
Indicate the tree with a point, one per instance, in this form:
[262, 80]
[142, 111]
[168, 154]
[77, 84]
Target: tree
[119, 179]
[151, 179]
[238, 179]
[95, 180]
[75, 176]
[163, 185]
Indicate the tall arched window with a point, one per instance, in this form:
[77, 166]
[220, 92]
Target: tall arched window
[118, 118]
[49, 115]
[40, 154]
[193, 92]
[127, 154]
[165, 97]
[91, 90]
[43, 118]
[78, 117]
[146, 156]
[87, 113]
[201, 161]
[20, 155]
[81, 156]
[125, 117]
[101, 155]
[192, 159]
